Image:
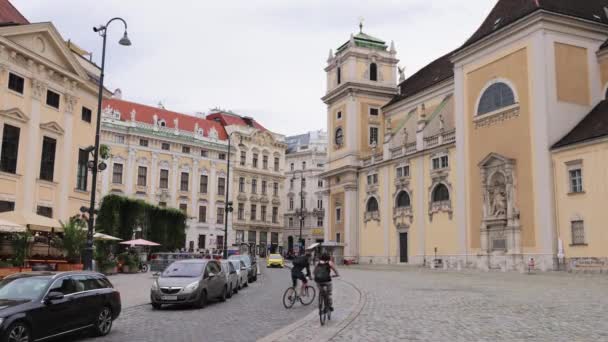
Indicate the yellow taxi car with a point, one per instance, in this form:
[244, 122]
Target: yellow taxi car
[275, 260]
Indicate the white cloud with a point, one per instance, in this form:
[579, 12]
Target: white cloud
[260, 58]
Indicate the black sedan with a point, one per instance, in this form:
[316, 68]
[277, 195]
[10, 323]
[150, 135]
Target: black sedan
[43, 305]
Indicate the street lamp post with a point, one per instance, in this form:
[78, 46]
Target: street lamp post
[102, 30]
[300, 241]
[228, 209]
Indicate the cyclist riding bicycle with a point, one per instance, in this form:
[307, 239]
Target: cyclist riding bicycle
[322, 275]
[300, 263]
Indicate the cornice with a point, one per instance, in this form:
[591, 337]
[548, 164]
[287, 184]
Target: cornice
[354, 88]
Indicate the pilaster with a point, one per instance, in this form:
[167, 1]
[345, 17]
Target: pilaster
[67, 162]
[32, 157]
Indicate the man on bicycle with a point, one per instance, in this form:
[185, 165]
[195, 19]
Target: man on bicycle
[300, 263]
[322, 274]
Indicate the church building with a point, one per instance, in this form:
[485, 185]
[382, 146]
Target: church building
[489, 157]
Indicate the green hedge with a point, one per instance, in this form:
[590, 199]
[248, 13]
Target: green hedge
[120, 216]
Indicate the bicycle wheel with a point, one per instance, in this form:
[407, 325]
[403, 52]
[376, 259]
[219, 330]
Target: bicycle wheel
[326, 297]
[322, 308]
[289, 298]
[309, 297]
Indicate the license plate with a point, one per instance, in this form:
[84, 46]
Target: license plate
[168, 297]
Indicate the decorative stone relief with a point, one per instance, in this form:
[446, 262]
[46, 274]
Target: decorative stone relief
[498, 117]
[371, 215]
[38, 88]
[401, 215]
[70, 103]
[176, 126]
[142, 161]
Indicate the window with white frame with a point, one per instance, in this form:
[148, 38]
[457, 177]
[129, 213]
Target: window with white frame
[319, 222]
[290, 222]
[578, 232]
[319, 204]
[403, 171]
[291, 203]
[338, 214]
[372, 179]
[495, 97]
[440, 162]
[117, 174]
[575, 176]
[374, 111]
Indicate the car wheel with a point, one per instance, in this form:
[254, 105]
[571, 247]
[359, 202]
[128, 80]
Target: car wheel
[157, 306]
[18, 332]
[224, 294]
[202, 301]
[229, 293]
[103, 324]
[246, 283]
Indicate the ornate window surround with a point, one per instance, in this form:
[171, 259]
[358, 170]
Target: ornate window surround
[442, 206]
[402, 215]
[501, 114]
[371, 215]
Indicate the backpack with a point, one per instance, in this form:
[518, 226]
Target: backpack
[300, 261]
[321, 273]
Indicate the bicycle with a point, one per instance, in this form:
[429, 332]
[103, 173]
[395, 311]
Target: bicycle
[324, 311]
[291, 295]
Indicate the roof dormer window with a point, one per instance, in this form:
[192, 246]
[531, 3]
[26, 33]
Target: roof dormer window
[162, 123]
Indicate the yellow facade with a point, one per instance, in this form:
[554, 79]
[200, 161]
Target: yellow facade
[38, 54]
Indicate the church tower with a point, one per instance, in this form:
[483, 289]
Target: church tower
[361, 78]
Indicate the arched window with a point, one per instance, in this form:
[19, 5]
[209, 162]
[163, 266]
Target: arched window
[498, 95]
[162, 123]
[441, 193]
[372, 205]
[403, 200]
[339, 137]
[339, 75]
[373, 72]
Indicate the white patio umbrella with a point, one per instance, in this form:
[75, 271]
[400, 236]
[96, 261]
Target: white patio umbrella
[7, 226]
[105, 237]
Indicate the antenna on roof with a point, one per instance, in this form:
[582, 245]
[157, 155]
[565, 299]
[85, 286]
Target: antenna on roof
[361, 24]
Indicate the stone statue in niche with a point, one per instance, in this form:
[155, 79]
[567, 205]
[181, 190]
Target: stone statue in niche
[388, 127]
[441, 123]
[499, 200]
[499, 203]
[404, 136]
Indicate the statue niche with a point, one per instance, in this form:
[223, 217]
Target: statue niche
[500, 226]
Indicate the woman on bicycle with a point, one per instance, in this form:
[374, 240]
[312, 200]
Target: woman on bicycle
[322, 275]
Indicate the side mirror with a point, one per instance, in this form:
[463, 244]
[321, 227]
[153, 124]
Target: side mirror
[53, 296]
[211, 274]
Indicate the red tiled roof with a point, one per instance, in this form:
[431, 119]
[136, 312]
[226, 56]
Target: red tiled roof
[228, 119]
[9, 14]
[146, 114]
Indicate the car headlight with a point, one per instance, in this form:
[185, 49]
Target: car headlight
[155, 286]
[192, 287]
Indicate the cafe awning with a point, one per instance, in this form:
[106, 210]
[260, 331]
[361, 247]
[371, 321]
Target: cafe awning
[11, 227]
[32, 221]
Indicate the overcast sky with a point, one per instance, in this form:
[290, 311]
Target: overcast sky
[259, 58]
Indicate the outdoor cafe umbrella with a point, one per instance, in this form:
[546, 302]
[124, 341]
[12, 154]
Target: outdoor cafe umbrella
[139, 242]
[11, 227]
[105, 237]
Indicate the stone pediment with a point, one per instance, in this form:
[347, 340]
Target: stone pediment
[495, 159]
[44, 40]
[241, 197]
[52, 127]
[264, 200]
[15, 114]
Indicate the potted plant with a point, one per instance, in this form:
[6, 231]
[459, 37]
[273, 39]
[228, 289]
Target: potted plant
[74, 239]
[20, 244]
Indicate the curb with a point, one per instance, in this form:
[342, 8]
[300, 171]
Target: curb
[330, 332]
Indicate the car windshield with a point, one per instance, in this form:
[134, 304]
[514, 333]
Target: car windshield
[184, 270]
[27, 288]
[275, 257]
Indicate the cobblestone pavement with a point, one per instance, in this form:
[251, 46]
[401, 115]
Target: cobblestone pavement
[253, 313]
[412, 304]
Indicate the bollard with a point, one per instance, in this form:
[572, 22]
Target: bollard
[530, 265]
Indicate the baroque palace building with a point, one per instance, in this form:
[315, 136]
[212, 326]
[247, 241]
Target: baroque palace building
[180, 161]
[48, 97]
[305, 192]
[257, 174]
[489, 156]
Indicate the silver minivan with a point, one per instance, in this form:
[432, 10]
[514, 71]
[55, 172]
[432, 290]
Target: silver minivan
[232, 278]
[242, 272]
[193, 282]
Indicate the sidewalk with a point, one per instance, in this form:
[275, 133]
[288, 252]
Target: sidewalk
[348, 302]
[134, 288]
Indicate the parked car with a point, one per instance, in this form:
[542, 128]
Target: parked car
[251, 264]
[232, 279]
[193, 282]
[275, 260]
[242, 272]
[39, 305]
